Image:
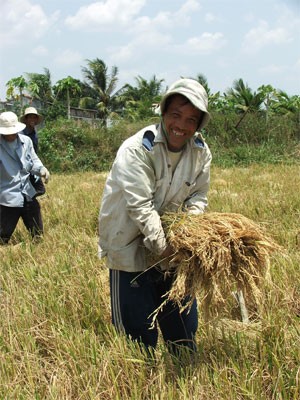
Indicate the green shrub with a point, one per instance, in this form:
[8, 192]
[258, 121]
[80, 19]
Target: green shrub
[69, 145]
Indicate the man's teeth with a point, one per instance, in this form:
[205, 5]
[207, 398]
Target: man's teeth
[178, 133]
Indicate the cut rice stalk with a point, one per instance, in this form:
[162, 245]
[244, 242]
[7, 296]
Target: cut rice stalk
[215, 254]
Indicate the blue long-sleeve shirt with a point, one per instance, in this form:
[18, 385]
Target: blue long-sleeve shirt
[17, 160]
[33, 136]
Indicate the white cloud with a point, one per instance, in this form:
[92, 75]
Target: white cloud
[188, 7]
[121, 54]
[22, 20]
[104, 14]
[276, 69]
[273, 69]
[204, 44]
[117, 14]
[263, 36]
[40, 51]
[68, 57]
[287, 17]
[141, 44]
[180, 18]
[249, 17]
[209, 17]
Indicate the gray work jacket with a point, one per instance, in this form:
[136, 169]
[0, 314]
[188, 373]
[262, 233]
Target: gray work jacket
[140, 188]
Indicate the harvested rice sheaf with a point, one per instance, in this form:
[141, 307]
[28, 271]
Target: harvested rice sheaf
[216, 254]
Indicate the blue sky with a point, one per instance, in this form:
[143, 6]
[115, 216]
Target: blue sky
[256, 40]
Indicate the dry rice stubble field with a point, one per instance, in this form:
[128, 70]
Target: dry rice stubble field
[56, 341]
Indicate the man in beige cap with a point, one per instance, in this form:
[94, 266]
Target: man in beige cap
[17, 195]
[31, 119]
[163, 167]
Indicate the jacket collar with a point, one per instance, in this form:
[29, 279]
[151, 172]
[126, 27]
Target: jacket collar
[9, 150]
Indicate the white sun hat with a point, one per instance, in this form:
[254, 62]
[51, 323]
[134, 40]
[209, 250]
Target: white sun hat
[192, 90]
[31, 110]
[9, 123]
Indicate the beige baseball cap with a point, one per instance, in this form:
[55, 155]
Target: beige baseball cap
[194, 92]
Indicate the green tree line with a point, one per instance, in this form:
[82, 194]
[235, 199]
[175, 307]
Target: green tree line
[247, 125]
[99, 91]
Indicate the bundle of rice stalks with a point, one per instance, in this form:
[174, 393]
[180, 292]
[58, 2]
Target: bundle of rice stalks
[216, 254]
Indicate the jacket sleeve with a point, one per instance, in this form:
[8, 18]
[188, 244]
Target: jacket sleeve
[134, 172]
[197, 201]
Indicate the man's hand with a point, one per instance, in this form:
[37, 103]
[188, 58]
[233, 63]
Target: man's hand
[165, 258]
[169, 251]
[45, 174]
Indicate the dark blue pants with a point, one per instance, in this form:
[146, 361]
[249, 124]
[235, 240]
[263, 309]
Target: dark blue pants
[135, 296]
[30, 214]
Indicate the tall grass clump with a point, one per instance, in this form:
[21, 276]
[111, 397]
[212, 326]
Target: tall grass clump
[56, 337]
[69, 146]
[275, 140]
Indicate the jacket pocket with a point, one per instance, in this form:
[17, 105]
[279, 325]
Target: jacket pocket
[186, 190]
[128, 258]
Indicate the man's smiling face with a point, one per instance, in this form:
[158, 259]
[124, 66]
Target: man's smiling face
[181, 120]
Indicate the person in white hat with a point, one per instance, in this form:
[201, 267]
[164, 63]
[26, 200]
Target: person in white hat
[17, 195]
[31, 118]
[163, 167]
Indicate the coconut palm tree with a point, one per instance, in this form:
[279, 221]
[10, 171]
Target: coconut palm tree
[201, 78]
[215, 100]
[103, 85]
[138, 101]
[244, 99]
[287, 105]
